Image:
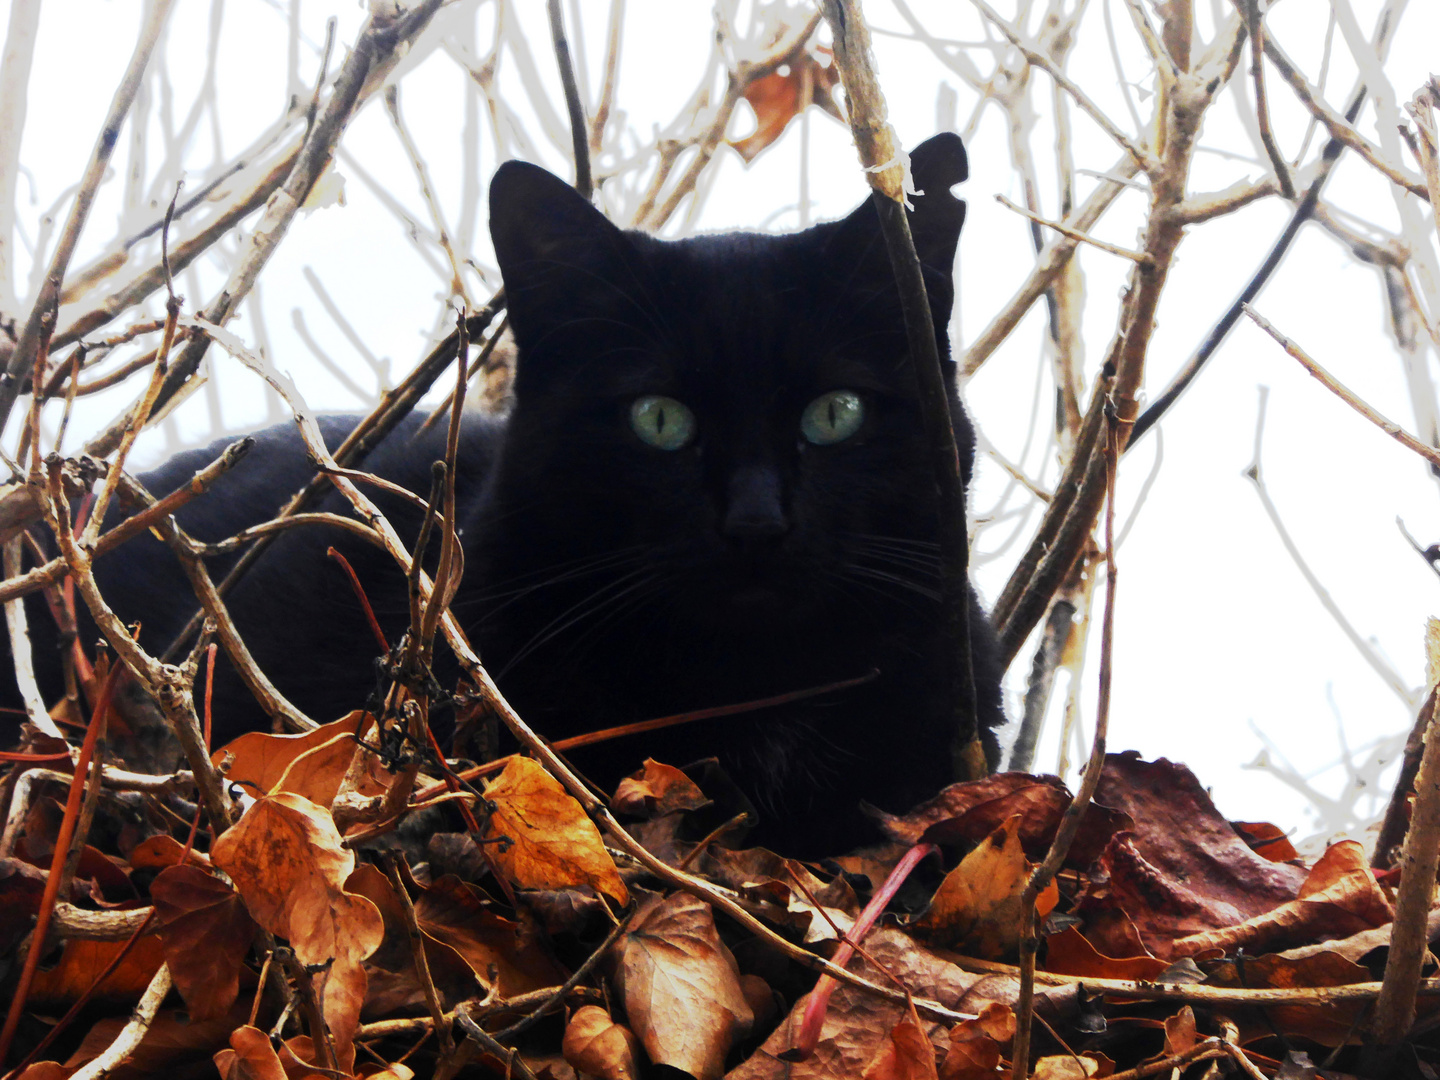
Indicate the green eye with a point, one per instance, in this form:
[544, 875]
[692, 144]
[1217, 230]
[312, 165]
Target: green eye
[832, 417]
[662, 422]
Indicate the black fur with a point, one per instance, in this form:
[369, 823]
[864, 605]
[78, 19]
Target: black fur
[608, 581]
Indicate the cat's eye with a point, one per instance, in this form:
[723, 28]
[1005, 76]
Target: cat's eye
[832, 417]
[662, 422]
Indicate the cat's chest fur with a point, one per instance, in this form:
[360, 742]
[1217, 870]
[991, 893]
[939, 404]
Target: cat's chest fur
[713, 487]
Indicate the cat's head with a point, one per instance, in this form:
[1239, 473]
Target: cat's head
[734, 416]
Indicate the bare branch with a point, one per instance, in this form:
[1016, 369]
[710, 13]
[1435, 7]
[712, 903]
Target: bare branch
[49, 295]
[1074, 234]
[1142, 157]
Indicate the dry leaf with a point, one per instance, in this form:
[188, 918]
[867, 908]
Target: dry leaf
[1267, 840]
[1068, 1068]
[453, 912]
[82, 961]
[317, 761]
[288, 864]
[1182, 869]
[206, 932]
[1328, 1025]
[857, 1020]
[779, 98]
[597, 1046]
[977, 907]
[1339, 898]
[906, 1053]
[1069, 953]
[552, 843]
[977, 1046]
[681, 987]
[250, 1057]
[1180, 1032]
[655, 790]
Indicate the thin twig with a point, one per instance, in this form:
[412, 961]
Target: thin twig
[49, 297]
[1141, 156]
[1074, 234]
[141, 1017]
[1394, 430]
[1388, 675]
[391, 862]
[1048, 267]
[1341, 128]
[1254, 23]
[579, 131]
[1069, 826]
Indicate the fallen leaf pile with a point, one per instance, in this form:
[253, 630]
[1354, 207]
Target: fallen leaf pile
[532, 948]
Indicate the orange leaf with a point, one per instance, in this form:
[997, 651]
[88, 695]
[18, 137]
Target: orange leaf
[250, 1057]
[976, 1045]
[1339, 898]
[656, 789]
[1069, 953]
[681, 987]
[977, 907]
[288, 864]
[317, 761]
[82, 960]
[552, 843]
[906, 1054]
[597, 1046]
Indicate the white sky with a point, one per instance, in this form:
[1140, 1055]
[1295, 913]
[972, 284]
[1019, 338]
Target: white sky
[1218, 635]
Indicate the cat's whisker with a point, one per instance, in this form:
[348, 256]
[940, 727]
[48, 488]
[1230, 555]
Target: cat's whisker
[582, 609]
[895, 579]
[555, 574]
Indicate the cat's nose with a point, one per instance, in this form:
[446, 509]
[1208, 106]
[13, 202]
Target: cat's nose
[755, 513]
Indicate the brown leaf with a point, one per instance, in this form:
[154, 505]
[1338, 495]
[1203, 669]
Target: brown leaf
[288, 864]
[1183, 869]
[1180, 1031]
[976, 1046]
[206, 932]
[968, 812]
[857, 1020]
[158, 852]
[552, 843]
[597, 1046]
[1267, 839]
[46, 1070]
[655, 790]
[1339, 898]
[1328, 1025]
[81, 961]
[452, 912]
[779, 98]
[681, 987]
[259, 761]
[1069, 1068]
[1069, 953]
[977, 907]
[175, 1044]
[250, 1057]
[906, 1053]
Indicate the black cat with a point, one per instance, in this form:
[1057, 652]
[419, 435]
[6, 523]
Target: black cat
[712, 487]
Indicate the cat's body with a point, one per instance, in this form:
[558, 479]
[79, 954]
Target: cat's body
[713, 487]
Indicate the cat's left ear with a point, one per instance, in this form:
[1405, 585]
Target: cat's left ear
[937, 165]
[559, 256]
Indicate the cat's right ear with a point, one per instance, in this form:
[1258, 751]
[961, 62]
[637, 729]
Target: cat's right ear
[553, 246]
